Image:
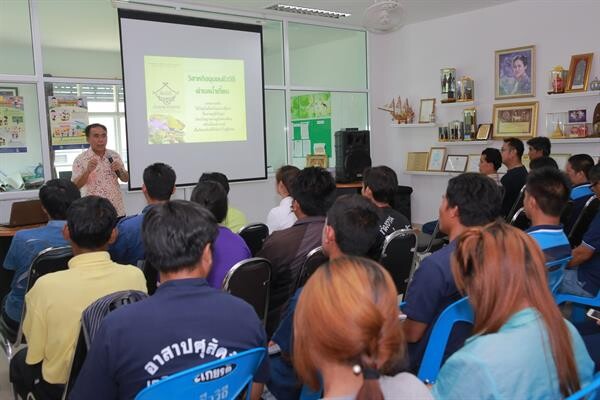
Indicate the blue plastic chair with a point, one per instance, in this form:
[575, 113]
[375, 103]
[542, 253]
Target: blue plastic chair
[220, 379]
[556, 272]
[579, 304]
[590, 392]
[459, 311]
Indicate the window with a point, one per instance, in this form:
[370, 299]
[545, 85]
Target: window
[15, 39]
[276, 127]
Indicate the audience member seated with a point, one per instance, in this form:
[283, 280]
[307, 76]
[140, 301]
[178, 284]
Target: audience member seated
[158, 186]
[379, 186]
[184, 324]
[56, 301]
[538, 147]
[577, 169]
[516, 174]
[56, 196]
[282, 217]
[582, 278]
[542, 162]
[235, 219]
[228, 248]
[471, 199]
[490, 162]
[351, 228]
[546, 196]
[347, 334]
[313, 192]
[522, 348]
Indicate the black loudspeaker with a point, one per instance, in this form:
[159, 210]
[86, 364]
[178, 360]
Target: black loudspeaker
[352, 154]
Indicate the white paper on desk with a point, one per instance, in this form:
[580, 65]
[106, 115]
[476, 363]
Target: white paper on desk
[306, 147]
[304, 130]
[297, 148]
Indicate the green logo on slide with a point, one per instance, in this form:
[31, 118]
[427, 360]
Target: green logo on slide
[165, 94]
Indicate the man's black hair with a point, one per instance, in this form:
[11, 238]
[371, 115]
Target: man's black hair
[91, 220]
[314, 190]
[159, 179]
[493, 156]
[57, 195]
[478, 198]
[581, 163]
[211, 195]
[216, 177]
[550, 188]
[541, 143]
[355, 221]
[383, 183]
[543, 162]
[89, 128]
[517, 145]
[176, 233]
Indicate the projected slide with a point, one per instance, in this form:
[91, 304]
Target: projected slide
[195, 100]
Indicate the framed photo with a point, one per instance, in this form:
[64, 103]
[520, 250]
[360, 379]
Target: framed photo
[417, 161]
[319, 160]
[473, 163]
[483, 133]
[515, 72]
[456, 163]
[579, 72]
[435, 161]
[515, 120]
[425, 110]
[577, 116]
[9, 91]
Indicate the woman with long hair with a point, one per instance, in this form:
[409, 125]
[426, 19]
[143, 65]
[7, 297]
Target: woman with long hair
[522, 347]
[347, 330]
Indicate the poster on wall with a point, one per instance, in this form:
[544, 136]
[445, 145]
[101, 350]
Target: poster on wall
[12, 125]
[68, 118]
[311, 121]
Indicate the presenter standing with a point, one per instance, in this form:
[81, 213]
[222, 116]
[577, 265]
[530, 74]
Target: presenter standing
[96, 171]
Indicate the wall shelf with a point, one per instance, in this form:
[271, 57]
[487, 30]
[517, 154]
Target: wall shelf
[432, 173]
[427, 125]
[457, 104]
[465, 142]
[576, 140]
[590, 93]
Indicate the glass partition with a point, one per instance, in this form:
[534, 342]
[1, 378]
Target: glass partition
[16, 50]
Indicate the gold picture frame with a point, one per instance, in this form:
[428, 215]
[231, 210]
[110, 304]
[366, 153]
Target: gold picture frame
[579, 72]
[483, 132]
[426, 108]
[417, 161]
[317, 160]
[515, 120]
[515, 72]
[436, 159]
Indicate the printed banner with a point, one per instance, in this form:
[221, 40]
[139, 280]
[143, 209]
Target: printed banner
[12, 125]
[68, 119]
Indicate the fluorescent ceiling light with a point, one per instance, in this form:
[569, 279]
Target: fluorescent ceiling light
[308, 11]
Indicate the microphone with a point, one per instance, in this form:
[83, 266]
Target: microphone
[110, 159]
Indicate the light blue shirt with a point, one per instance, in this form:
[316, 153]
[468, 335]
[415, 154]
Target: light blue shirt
[514, 363]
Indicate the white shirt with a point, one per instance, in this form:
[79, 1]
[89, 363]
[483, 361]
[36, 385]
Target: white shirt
[282, 216]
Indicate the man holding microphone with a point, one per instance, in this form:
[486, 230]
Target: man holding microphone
[97, 170]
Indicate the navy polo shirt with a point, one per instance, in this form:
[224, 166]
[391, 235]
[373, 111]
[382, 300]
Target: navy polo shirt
[184, 324]
[589, 271]
[430, 292]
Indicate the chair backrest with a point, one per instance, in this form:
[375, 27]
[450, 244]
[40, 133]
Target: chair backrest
[254, 235]
[459, 311]
[520, 220]
[583, 221]
[151, 275]
[220, 379]
[398, 256]
[50, 260]
[250, 280]
[589, 392]
[516, 205]
[314, 259]
[567, 213]
[556, 272]
[91, 318]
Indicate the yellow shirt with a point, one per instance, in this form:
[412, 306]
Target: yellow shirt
[56, 301]
[234, 220]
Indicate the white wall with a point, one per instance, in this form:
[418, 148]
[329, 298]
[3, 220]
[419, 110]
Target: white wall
[407, 63]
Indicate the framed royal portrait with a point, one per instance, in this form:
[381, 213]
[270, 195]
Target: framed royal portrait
[417, 161]
[579, 72]
[515, 73]
[515, 120]
[317, 160]
[483, 132]
[435, 161]
[456, 163]
[9, 91]
[426, 109]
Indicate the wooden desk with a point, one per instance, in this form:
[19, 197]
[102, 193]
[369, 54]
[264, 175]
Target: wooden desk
[10, 232]
[348, 188]
[355, 185]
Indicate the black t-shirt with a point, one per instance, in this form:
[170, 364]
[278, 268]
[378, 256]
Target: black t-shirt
[390, 221]
[513, 181]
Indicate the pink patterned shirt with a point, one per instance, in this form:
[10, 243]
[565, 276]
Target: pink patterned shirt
[103, 180]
